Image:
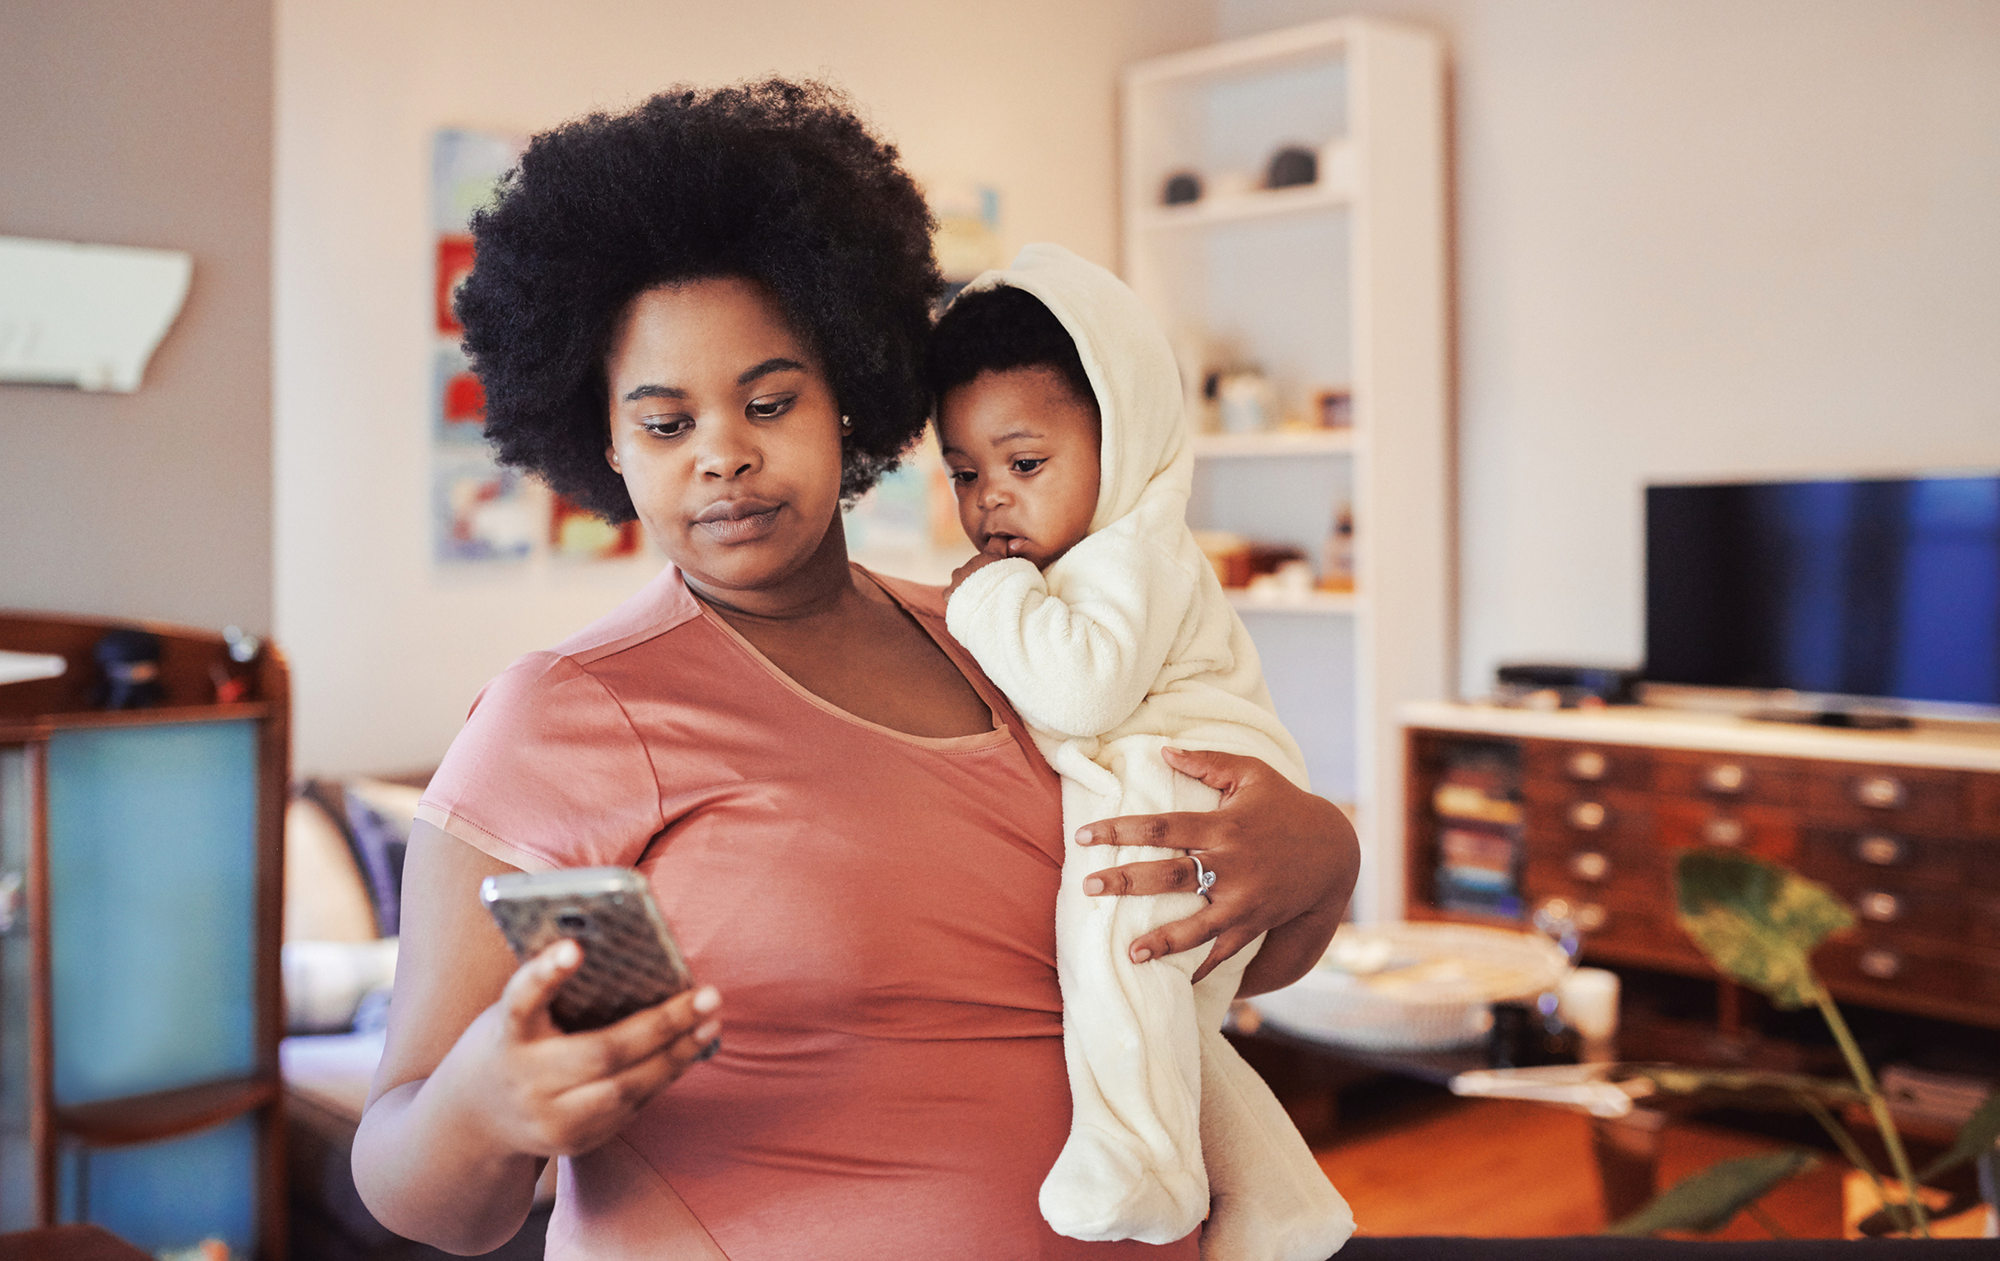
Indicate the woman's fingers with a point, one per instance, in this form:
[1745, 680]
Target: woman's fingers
[1159, 875]
[534, 983]
[601, 1054]
[607, 1101]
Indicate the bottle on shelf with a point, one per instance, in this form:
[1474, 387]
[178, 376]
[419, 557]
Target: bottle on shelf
[1336, 570]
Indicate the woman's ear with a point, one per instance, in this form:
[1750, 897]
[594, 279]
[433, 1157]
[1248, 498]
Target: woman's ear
[611, 458]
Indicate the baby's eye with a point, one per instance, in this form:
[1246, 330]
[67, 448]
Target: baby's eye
[963, 476]
[1028, 465]
[667, 426]
[771, 407]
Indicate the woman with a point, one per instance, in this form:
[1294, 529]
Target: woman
[709, 314]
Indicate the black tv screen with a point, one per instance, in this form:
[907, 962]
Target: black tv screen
[1876, 588]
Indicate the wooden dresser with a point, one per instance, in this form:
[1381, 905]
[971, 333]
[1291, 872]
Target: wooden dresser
[1509, 809]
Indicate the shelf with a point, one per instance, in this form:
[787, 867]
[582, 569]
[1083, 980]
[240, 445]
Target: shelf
[1242, 207]
[1278, 442]
[144, 1118]
[1322, 602]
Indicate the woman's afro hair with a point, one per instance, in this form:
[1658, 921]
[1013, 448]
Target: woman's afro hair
[776, 182]
[1000, 330]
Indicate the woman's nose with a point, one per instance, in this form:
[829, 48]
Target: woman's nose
[727, 451]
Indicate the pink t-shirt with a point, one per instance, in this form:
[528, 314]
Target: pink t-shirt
[878, 910]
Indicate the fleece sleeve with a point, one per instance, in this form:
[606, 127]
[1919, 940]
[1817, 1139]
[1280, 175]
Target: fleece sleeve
[1075, 649]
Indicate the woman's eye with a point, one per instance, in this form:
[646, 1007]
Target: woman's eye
[1029, 466]
[667, 426]
[771, 408]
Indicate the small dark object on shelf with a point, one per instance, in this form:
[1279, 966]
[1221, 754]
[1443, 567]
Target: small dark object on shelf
[130, 660]
[1572, 684]
[1291, 166]
[1182, 187]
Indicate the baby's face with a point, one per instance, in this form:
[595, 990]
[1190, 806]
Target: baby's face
[1022, 450]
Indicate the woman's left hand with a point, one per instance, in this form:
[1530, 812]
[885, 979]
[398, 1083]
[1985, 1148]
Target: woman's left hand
[1284, 860]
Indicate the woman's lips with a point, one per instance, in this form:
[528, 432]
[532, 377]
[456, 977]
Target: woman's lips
[738, 520]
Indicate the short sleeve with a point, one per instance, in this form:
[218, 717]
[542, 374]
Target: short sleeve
[547, 772]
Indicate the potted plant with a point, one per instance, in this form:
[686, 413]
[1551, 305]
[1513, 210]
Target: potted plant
[1759, 923]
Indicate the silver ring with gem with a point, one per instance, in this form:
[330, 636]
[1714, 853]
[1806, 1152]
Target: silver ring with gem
[1204, 879]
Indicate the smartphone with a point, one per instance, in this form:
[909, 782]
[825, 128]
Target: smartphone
[630, 960]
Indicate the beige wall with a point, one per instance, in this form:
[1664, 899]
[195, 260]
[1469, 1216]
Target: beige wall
[145, 123]
[1699, 239]
[387, 649]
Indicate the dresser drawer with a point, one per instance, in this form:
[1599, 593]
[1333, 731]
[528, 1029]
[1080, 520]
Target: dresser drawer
[1601, 765]
[1884, 972]
[1982, 806]
[1982, 913]
[1891, 911]
[1602, 873]
[1597, 820]
[1723, 777]
[1848, 857]
[1908, 798]
[1766, 831]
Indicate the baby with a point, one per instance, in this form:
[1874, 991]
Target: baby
[1090, 605]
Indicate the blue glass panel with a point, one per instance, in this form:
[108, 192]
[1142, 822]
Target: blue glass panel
[17, 1169]
[152, 847]
[168, 1194]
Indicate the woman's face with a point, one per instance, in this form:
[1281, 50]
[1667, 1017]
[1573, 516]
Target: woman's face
[725, 431]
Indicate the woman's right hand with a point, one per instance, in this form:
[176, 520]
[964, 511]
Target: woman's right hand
[477, 1087]
[550, 1093]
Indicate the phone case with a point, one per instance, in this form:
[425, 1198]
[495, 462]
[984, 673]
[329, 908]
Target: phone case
[630, 959]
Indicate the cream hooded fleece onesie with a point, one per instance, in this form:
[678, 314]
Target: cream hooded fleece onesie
[1125, 645]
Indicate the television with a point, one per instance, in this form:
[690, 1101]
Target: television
[1870, 594]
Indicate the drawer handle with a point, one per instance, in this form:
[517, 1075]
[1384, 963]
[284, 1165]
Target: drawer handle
[1725, 777]
[1589, 865]
[1587, 764]
[1880, 792]
[1724, 831]
[1882, 908]
[1883, 965]
[1588, 816]
[1880, 851]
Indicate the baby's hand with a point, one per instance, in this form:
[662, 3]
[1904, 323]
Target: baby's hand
[972, 567]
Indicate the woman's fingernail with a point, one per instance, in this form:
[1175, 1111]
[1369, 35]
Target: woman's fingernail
[1140, 954]
[707, 998]
[1083, 836]
[707, 1030]
[1092, 884]
[568, 953]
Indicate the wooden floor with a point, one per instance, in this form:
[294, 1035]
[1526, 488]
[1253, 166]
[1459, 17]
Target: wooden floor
[1412, 1160]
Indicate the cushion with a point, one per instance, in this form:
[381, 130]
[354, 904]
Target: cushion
[325, 899]
[326, 981]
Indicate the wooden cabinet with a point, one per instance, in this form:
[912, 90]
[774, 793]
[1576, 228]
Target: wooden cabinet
[1904, 827]
[140, 1004]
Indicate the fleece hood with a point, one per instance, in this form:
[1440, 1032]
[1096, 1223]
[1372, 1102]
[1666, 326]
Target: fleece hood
[1131, 369]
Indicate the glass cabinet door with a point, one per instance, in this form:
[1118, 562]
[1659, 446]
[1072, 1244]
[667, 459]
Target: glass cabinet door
[17, 1163]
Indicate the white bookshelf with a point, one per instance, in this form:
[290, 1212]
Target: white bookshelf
[1340, 283]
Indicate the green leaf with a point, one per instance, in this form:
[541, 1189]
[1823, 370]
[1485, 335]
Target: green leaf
[1975, 1137]
[1756, 921]
[1706, 1201]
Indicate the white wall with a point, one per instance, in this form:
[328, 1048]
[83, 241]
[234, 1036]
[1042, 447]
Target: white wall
[146, 124]
[387, 650]
[1698, 239]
